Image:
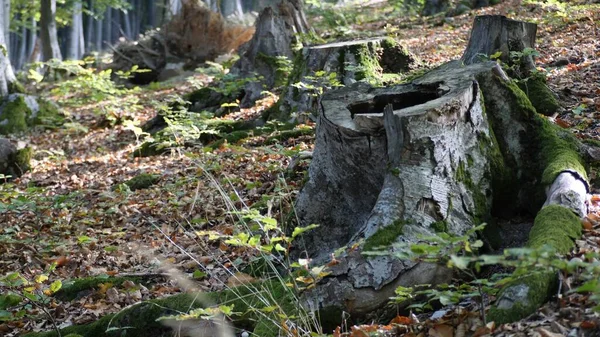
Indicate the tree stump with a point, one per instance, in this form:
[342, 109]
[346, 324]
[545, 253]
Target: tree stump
[515, 40]
[275, 37]
[390, 164]
[373, 60]
[497, 33]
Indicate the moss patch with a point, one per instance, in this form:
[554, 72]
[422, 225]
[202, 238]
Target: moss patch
[72, 288]
[440, 226]
[558, 152]
[21, 160]
[367, 64]
[17, 116]
[14, 116]
[139, 319]
[48, 115]
[142, 181]
[537, 286]
[149, 149]
[540, 95]
[556, 226]
[384, 236]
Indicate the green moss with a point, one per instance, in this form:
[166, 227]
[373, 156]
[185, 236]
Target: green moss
[384, 236]
[14, 116]
[138, 319]
[72, 288]
[556, 226]
[22, 159]
[540, 95]
[538, 286]
[558, 151]
[142, 181]
[16, 88]
[440, 226]
[149, 149]
[367, 67]
[48, 115]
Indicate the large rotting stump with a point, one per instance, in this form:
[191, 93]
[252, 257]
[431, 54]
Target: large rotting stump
[390, 164]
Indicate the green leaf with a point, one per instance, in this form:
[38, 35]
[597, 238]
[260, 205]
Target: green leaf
[55, 286]
[496, 55]
[459, 262]
[301, 230]
[198, 274]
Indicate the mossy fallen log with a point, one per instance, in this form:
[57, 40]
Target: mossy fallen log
[558, 227]
[261, 307]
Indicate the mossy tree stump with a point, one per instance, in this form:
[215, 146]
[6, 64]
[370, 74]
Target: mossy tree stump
[455, 148]
[322, 67]
[389, 165]
[275, 37]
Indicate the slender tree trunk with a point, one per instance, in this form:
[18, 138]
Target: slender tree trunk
[136, 20]
[33, 48]
[73, 48]
[7, 76]
[50, 47]
[21, 54]
[127, 24]
[108, 26]
[151, 6]
[6, 21]
[98, 35]
[116, 25]
[174, 7]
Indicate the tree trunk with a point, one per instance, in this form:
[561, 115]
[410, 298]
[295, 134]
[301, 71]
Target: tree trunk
[6, 21]
[50, 47]
[7, 76]
[108, 26]
[98, 35]
[515, 42]
[76, 33]
[394, 162]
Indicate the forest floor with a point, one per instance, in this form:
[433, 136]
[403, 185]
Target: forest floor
[71, 210]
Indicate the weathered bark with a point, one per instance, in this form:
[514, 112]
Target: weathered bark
[400, 173]
[350, 61]
[434, 159]
[496, 33]
[276, 34]
[50, 47]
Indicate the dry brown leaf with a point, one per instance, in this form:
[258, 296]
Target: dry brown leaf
[239, 279]
[441, 330]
